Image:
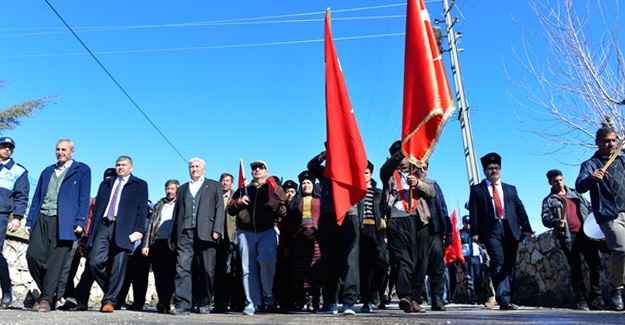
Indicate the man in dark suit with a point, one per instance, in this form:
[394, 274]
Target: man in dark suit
[197, 227]
[498, 219]
[118, 222]
[57, 217]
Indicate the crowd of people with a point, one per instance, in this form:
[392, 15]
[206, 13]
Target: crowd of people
[278, 246]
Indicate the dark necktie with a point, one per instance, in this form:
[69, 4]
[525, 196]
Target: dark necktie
[111, 213]
[497, 199]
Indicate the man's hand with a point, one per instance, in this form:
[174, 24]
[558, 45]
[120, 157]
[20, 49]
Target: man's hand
[561, 223]
[78, 229]
[137, 235]
[476, 238]
[27, 230]
[598, 174]
[244, 200]
[145, 251]
[448, 241]
[412, 180]
[14, 225]
[528, 235]
[274, 204]
[172, 246]
[216, 235]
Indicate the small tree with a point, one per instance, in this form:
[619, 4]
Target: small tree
[10, 117]
[578, 80]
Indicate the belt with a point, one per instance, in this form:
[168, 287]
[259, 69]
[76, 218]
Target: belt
[368, 222]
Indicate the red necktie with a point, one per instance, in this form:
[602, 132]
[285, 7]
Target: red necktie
[497, 199]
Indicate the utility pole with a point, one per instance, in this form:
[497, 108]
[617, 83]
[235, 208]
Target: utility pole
[463, 106]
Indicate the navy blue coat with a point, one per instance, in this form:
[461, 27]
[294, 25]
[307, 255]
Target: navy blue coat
[73, 200]
[132, 211]
[482, 212]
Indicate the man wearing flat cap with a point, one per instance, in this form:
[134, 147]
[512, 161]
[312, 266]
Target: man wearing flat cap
[257, 207]
[499, 221]
[14, 188]
[404, 204]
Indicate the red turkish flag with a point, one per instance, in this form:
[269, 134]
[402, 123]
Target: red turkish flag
[428, 103]
[346, 160]
[454, 251]
[242, 182]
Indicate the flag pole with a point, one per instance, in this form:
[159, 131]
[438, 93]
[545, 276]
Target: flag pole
[410, 192]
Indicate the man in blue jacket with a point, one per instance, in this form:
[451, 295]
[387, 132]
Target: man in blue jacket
[14, 188]
[607, 195]
[56, 219]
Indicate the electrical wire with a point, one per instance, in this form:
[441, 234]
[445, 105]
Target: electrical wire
[197, 48]
[117, 83]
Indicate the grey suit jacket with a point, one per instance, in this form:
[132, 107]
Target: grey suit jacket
[210, 213]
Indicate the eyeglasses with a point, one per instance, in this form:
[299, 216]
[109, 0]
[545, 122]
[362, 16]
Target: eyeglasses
[259, 167]
[493, 169]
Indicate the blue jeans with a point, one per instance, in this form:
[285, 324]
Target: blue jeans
[258, 259]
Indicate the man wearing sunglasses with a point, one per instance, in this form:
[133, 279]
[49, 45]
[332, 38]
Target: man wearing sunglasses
[257, 206]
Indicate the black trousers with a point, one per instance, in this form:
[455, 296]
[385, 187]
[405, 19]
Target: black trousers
[195, 270]
[65, 287]
[137, 272]
[373, 265]
[47, 255]
[436, 267]
[582, 245]
[5, 279]
[502, 248]
[402, 253]
[108, 262]
[339, 256]
[163, 262]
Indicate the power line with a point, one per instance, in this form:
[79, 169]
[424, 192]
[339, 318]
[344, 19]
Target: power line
[115, 81]
[198, 48]
[375, 81]
[119, 28]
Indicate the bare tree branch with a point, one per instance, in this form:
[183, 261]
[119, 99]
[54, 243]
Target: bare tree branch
[576, 80]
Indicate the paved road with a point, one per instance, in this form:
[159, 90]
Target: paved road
[456, 314]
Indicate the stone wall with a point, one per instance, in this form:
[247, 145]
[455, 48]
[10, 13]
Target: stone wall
[542, 275]
[14, 250]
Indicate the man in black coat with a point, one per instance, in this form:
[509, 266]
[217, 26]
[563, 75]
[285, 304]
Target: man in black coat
[498, 219]
[196, 229]
[118, 222]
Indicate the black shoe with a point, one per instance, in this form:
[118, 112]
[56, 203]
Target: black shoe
[438, 307]
[508, 307]
[615, 297]
[179, 311]
[161, 309]
[598, 304]
[135, 307]
[204, 309]
[220, 308]
[366, 308]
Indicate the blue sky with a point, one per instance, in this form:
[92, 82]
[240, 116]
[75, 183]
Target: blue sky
[245, 79]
